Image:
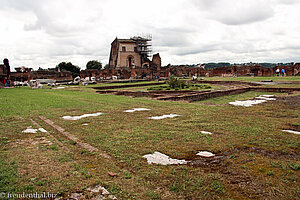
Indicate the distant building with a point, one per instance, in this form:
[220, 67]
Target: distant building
[23, 69]
[130, 53]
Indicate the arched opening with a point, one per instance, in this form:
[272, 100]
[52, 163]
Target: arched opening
[130, 61]
[145, 65]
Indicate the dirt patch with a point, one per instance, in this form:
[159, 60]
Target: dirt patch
[295, 127]
[263, 152]
[291, 102]
[241, 183]
[73, 138]
[31, 142]
[94, 193]
[47, 133]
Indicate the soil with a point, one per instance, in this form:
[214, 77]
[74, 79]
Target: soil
[242, 184]
[291, 102]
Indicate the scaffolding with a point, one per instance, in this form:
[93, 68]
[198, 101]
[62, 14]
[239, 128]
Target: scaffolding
[144, 46]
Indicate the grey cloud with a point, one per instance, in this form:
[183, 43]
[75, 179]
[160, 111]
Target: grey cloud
[205, 4]
[288, 1]
[240, 18]
[232, 12]
[53, 16]
[195, 50]
[173, 37]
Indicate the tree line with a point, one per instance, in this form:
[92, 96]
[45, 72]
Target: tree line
[68, 66]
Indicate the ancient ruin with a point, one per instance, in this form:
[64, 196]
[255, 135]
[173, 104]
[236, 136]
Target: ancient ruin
[131, 59]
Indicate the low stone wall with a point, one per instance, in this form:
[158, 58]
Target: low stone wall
[126, 86]
[207, 95]
[124, 81]
[155, 92]
[266, 89]
[190, 96]
[152, 94]
[230, 83]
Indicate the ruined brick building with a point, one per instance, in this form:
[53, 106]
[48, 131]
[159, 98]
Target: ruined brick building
[130, 53]
[130, 58]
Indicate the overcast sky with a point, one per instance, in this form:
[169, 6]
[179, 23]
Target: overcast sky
[43, 33]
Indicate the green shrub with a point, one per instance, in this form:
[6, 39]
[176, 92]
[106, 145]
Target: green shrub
[175, 83]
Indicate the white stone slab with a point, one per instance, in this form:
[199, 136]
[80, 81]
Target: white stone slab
[267, 95]
[30, 130]
[33, 130]
[164, 116]
[206, 154]
[266, 98]
[58, 88]
[206, 132]
[137, 109]
[81, 116]
[160, 158]
[290, 131]
[248, 103]
[43, 130]
[85, 124]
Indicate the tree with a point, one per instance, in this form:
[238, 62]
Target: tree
[94, 64]
[106, 66]
[6, 63]
[68, 67]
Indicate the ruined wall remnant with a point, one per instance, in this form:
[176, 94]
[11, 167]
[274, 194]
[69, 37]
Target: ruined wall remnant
[157, 61]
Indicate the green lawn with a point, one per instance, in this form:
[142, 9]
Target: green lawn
[256, 155]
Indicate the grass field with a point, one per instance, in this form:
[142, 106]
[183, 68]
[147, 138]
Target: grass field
[254, 158]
